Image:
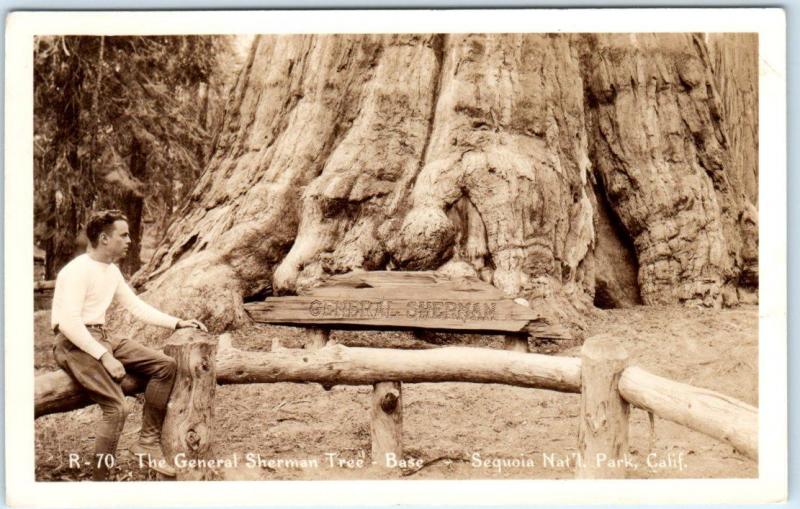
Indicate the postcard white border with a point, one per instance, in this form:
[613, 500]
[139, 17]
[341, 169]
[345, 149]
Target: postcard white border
[22, 490]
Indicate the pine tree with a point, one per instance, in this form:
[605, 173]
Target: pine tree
[119, 122]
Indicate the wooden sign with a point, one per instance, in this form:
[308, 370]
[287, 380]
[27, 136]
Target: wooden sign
[399, 299]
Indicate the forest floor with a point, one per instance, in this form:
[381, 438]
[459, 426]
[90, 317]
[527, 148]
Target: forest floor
[457, 430]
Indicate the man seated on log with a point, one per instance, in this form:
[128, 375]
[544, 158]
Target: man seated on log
[96, 359]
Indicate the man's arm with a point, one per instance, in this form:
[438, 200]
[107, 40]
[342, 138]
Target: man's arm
[142, 310]
[71, 292]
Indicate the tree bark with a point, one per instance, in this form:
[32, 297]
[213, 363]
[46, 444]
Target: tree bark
[386, 422]
[203, 93]
[186, 433]
[708, 412]
[337, 364]
[658, 134]
[603, 418]
[342, 153]
[77, 193]
[96, 103]
[52, 263]
[133, 206]
[58, 392]
[734, 59]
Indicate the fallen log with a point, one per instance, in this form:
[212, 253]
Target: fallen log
[339, 365]
[716, 415]
[58, 392]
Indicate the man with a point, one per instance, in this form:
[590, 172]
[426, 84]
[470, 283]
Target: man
[84, 289]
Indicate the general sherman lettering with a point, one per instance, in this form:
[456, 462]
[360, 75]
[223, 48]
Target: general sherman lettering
[417, 310]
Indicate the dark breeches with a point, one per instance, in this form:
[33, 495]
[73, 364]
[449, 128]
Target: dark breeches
[107, 393]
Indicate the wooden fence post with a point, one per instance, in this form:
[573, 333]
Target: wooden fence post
[386, 421]
[603, 418]
[186, 434]
[516, 343]
[317, 338]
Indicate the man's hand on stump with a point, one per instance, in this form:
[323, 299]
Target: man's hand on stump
[194, 324]
[113, 366]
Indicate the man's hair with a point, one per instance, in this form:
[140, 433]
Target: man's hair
[102, 221]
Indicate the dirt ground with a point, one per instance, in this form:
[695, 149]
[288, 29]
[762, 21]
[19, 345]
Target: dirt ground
[450, 430]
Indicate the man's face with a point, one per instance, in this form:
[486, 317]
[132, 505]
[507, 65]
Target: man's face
[117, 241]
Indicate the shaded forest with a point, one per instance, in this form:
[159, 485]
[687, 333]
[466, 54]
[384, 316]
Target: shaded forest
[121, 122]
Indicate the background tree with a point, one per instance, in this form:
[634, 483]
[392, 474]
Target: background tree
[122, 122]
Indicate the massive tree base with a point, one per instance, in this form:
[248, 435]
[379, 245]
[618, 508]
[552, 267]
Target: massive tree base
[570, 170]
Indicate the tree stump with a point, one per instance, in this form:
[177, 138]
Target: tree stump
[386, 422]
[603, 425]
[186, 435]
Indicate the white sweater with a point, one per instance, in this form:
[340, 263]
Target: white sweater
[84, 290]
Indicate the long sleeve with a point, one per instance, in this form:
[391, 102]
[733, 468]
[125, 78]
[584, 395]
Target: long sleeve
[70, 294]
[140, 309]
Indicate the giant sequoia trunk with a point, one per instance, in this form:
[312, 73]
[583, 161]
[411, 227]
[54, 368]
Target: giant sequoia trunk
[659, 143]
[549, 165]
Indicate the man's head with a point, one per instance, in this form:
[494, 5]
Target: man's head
[107, 231]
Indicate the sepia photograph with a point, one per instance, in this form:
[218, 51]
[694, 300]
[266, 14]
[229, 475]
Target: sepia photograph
[396, 256]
